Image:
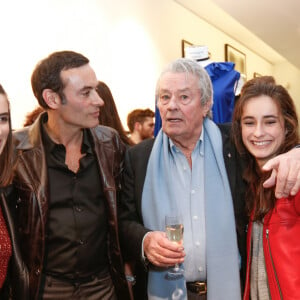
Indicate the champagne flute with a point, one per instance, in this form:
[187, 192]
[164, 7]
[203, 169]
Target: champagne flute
[174, 231]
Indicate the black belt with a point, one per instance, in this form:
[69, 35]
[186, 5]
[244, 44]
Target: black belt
[78, 280]
[197, 287]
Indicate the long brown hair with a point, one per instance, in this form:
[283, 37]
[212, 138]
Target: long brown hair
[6, 156]
[109, 115]
[258, 199]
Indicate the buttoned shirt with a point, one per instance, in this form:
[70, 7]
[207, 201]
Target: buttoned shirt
[76, 245]
[191, 203]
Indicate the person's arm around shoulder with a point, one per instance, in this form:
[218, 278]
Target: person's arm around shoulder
[285, 174]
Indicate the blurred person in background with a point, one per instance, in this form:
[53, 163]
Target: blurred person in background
[141, 124]
[109, 115]
[32, 115]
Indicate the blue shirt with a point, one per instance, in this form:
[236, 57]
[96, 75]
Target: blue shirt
[192, 205]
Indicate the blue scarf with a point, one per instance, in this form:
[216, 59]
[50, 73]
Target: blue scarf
[159, 199]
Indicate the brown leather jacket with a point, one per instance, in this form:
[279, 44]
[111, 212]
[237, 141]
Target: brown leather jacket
[31, 183]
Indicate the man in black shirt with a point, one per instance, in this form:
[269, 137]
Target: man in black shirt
[67, 178]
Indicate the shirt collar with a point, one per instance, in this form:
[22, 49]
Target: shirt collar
[199, 145]
[51, 146]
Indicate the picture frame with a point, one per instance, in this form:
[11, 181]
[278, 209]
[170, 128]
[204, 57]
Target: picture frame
[184, 44]
[238, 58]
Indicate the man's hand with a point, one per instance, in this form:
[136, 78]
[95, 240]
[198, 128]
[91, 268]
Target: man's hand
[160, 251]
[285, 173]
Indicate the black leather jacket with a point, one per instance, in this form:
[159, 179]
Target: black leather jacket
[16, 284]
[31, 183]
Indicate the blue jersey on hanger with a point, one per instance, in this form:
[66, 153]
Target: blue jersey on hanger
[224, 80]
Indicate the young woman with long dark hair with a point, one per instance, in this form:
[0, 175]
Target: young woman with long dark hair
[13, 274]
[265, 124]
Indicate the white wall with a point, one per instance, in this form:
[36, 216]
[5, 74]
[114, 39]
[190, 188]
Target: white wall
[289, 76]
[127, 41]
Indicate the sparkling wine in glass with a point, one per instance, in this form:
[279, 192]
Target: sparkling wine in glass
[174, 231]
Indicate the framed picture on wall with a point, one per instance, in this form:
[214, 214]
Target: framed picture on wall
[237, 57]
[184, 44]
[255, 74]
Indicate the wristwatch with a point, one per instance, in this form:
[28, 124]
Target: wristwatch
[131, 279]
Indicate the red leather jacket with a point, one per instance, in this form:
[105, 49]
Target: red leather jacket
[31, 183]
[281, 244]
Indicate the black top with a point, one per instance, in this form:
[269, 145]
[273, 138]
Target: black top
[16, 286]
[76, 245]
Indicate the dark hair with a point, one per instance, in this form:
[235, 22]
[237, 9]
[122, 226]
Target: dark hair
[6, 165]
[138, 115]
[109, 114]
[47, 73]
[259, 199]
[32, 116]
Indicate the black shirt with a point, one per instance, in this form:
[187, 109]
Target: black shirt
[76, 245]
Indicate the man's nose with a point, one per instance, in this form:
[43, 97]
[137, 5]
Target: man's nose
[97, 100]
[173, 103]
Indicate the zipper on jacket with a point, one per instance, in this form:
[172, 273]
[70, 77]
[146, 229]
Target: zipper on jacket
[247, 286]
[271, 257]
[247, 280]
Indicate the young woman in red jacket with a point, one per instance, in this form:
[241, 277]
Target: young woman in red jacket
[266, 124]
